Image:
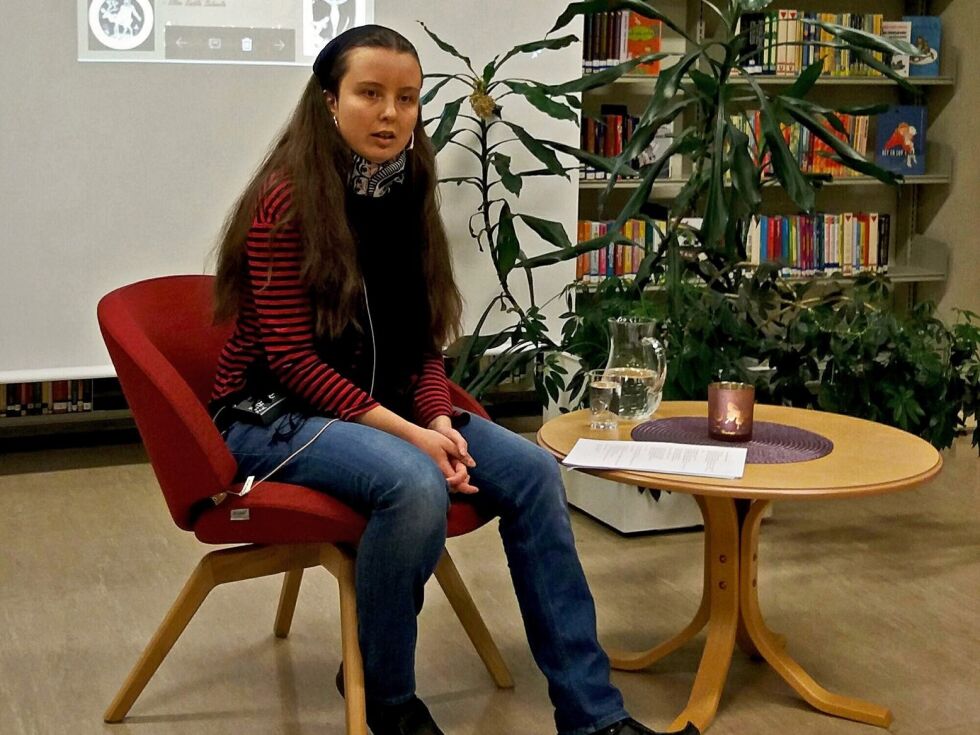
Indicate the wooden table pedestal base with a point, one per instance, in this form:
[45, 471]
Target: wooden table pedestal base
[730, 608]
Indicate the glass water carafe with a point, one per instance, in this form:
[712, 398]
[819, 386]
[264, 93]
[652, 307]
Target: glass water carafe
[638, 362]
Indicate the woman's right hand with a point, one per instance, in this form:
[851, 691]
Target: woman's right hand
[443, 450]
[445, 454]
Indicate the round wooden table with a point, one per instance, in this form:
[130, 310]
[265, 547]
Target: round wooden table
[868, 458]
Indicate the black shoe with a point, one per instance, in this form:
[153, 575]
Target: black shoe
[409, 718]
[629, 726]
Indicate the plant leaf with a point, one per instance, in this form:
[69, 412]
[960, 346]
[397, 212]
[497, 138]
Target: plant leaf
[600, 162]
[511, 181]
[508, 246]
[715, 209]
[538, 150]
[537, 97]
[648, 176]
[667, 85]
[806, 80]
[576, 250]
[548, 230]
[550, 44]
[783, 162]
[601, 6]
[447, 48]
[596, 79]
[489, 70]
[646, 130]
[744, 176]
[443, 133]
[877, 64]
[431, 94]
[848, 155]
[864, 39]
[706, 84]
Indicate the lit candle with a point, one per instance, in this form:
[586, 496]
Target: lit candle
[730, 411]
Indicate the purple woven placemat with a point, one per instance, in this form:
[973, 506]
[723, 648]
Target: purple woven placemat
[771, 443]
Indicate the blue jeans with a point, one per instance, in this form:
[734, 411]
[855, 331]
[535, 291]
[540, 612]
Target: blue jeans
[406, 498]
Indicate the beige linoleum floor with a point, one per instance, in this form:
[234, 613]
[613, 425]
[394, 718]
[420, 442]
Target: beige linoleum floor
[879, 598]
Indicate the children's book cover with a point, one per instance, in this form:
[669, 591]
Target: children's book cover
[643, 37]
[898, 30]
[901, 145]
[927, 38]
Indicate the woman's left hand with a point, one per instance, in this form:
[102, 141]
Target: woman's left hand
[444, 426]
[462, 461]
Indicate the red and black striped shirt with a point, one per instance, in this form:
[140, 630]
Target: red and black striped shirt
[275, 325]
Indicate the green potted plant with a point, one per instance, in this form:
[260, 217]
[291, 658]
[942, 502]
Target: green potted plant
[480, 122]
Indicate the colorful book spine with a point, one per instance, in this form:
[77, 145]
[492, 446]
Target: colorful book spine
[821, 244]
[616, 36]
[616, 259]
[45, 397]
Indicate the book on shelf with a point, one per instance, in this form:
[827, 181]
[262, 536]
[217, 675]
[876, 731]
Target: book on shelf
[616, 36]
[47, 397]
[898, 30]
[753, 25]
[615, 259]
[808, 245]
[608, 134]
[926, 33]
[786, 41]
[643, 38]
[788, 31]
[811, 153]
[901, 140]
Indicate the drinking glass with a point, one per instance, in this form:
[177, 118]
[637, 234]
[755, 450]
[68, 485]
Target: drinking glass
[603, 400]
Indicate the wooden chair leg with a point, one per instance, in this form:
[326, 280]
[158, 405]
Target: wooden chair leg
[197, 587]
[462, 603]
[217, 567]
[287, 602]
[341, 565]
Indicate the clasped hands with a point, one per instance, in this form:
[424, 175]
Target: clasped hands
[449, 451]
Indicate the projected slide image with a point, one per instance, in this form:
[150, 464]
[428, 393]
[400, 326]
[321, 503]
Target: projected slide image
[214, 31]
[324, 19]
[121, 25]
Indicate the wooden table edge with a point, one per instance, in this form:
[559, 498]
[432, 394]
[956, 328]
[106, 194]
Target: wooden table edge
[694, 486]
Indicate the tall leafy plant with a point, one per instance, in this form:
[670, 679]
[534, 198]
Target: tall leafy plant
[480, 123]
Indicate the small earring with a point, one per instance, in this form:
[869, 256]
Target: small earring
[411, 142]
[336, 124]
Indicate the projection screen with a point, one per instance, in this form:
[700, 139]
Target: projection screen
[214, 31]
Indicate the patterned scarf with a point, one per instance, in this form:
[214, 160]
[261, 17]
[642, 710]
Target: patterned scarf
[376, 179]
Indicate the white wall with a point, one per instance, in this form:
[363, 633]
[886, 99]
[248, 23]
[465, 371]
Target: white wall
[111, 173]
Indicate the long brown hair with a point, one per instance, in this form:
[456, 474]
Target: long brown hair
[313, 156]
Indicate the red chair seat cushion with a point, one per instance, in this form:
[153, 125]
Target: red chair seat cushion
[279, 513]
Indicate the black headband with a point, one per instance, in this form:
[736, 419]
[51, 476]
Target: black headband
[335, 49]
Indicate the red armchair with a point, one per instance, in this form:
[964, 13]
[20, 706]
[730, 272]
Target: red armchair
[164, 347]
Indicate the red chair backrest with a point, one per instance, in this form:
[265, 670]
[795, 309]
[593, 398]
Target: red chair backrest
[165, 347]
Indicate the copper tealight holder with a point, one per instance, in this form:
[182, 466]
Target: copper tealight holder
[730, 407]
